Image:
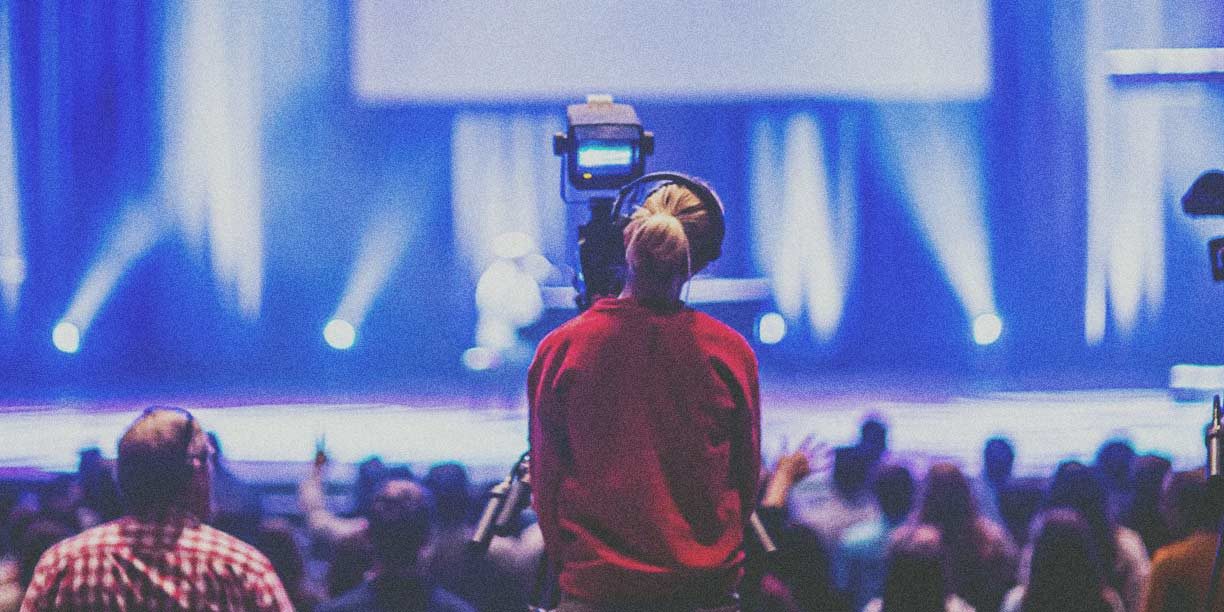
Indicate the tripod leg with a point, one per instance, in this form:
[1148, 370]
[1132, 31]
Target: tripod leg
[1213, 587]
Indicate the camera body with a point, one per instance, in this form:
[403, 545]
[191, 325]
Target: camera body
[603, 149]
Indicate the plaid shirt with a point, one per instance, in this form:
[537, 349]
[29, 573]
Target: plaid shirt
[131, 565]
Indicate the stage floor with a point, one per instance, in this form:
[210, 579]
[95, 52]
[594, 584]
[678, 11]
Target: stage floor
[273, 441]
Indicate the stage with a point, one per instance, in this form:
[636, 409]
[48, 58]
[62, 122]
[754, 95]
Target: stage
[272, 442]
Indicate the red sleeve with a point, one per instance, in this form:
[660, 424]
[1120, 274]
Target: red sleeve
[548, 441]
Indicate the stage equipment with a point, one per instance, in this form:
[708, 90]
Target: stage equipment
[1215, 493]
[603, 167]
[506, 501]
[1206, 198]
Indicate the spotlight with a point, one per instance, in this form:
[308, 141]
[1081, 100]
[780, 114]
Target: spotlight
[66, 337]
[480, 359]
[770, 328]
[339, 334]
[987, 328]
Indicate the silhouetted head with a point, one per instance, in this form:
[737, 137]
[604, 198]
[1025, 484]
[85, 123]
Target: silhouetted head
[276, 540]
[1113, 461]
[947, 501]
[401, 517]
[1190, 506]
[998, 459]
[851, 469]
[1077, 488]
[873, 439]
[894, 491]
[449, 484]
[917, 577]
[1067, 571]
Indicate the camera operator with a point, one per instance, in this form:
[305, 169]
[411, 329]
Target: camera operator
[645, 432]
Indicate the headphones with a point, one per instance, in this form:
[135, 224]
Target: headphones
[635, 195]
[186, 436]
[601, 245]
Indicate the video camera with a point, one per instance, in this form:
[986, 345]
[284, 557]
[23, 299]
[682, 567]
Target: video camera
[1206, 198]
[603, 149]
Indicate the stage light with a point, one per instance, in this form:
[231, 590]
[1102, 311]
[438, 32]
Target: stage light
[937, 157]
[480, 359]
[340, 334]
[137, 230]
[381, 250]
[804, 218]
[987, 328]
[770, 328]
[12, 262]
[66, 337]
[213, 160]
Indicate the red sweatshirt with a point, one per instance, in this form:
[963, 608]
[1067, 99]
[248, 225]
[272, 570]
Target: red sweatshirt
[645, 451]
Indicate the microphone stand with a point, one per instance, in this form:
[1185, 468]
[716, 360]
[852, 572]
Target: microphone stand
[1215, 493]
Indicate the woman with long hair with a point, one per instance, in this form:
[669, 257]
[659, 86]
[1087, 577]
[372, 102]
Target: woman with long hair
[1067, 574]
[1123, 556]
[981, 554]
[645, 430]
[918, 575]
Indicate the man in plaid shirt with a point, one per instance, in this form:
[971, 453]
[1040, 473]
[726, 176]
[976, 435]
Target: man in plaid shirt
[159, 556]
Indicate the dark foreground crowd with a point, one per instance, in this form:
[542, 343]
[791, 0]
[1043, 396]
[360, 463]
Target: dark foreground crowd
[1124, 534]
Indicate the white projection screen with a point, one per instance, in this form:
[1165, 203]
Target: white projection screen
[455, 51]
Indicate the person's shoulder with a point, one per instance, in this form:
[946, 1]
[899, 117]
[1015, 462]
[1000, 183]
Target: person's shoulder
[1130, 543]
[1113, 600]
[212, 541]
[956, 604]
[720, 334]
[1183, 549]
[997, 535]
[442, 600]
[86, 543]
[1013, 599]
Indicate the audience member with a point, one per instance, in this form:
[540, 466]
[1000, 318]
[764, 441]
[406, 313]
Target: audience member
[849, 503]
[918, 574]
[998, 461]
[1122, 553]
[859, 566]
[1181, 571]
[277, 540]
[873, 440]
[350, 560]
[981, 553]
[1019, 504]
[1113, 466]
[236, 507]
[323, 524]
[1143, 513]
[1067, 574]
[401, 516]
[998, 458]
[100, 500]
[160, 555]
[445, 557]
[34, 541]
[798, 576]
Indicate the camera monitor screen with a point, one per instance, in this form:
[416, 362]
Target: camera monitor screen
[606, 157]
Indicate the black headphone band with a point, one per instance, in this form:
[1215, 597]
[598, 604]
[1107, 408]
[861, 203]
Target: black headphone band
[709, 200]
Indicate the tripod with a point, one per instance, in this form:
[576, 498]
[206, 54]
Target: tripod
[1215, 491]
